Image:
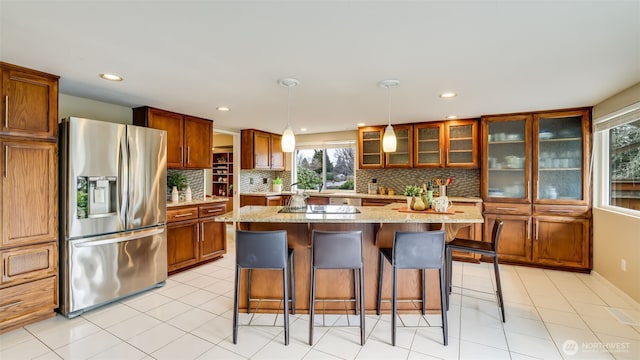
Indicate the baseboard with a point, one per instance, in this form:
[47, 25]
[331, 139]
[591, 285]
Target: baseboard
[628, 299]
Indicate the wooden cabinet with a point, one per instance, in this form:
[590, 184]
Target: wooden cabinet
[428, 145]
[29, 103]
[261, 150]
[560, 241]
[189, 138]
[461, 144]
[266, 200]
[370, 154]
[193, 235]
[403, 156]
[30, 178]
[318, 200]
[451, 144]
[28, 196]
[535, 177]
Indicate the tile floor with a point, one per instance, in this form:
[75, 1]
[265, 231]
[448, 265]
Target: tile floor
[550, 315]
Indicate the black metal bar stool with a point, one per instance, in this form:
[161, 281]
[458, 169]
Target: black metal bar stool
[414, 250]
[338, 250]
[479, 247]
[264, 250]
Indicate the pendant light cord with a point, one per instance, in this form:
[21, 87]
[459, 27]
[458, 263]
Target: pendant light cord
[389, 101]
[288, 105]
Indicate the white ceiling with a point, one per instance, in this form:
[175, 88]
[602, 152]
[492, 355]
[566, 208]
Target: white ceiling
[190, 57]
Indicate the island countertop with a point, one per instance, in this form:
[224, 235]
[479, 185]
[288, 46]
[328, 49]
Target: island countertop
[368, 215]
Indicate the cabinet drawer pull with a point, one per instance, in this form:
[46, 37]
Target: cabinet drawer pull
[217, 210]
[6, 111]
[506, 209]
[183, 215]
[560, 211]
[2, 307]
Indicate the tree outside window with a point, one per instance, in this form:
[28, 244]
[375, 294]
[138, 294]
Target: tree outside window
[326, 167]
[624, 165]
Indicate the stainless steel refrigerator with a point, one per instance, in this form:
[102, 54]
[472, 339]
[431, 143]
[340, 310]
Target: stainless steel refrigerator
[113, 190]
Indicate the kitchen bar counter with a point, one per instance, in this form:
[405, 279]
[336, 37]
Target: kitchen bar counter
[194, 202]
[378, 226]
[330, 194]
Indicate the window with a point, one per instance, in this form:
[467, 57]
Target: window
[326, 166]
[618, 162]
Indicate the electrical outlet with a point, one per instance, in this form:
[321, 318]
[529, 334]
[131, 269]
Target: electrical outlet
[623, 265]
[251, 181]
[264, 180]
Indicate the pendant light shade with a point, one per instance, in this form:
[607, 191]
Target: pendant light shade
[288, 138]
[389, 142]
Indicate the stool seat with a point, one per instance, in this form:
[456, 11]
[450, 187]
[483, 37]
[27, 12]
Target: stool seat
[264, 250]
[338, 250]
[489, 249]
[414, 250]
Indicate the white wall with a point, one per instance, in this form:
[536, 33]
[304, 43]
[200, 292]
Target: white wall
[91, 109]
[616, 236]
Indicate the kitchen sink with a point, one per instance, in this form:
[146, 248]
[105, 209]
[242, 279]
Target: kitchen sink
[321, 209]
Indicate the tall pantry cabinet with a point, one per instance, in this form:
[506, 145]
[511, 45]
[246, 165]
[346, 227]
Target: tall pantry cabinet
[536, 179]
[28, 196]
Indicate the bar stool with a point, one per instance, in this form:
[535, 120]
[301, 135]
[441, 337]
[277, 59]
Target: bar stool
[479, 247]
[338, 250]
[414, 250]
[264, 250]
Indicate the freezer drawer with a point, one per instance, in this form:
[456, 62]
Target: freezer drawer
[102, 269]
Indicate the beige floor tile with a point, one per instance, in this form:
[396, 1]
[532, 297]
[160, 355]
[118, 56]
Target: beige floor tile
[185, 348]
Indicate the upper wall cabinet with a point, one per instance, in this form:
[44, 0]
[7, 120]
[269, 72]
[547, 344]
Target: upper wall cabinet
[189, 139]
[452, 144]
[261, 150]
[29, 102]
[370, 155]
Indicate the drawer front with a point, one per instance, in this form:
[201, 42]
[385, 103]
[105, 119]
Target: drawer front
[507, 208]
[25, 300]
[29, 262]
[182, 214]
[562, 210]
[212, 210]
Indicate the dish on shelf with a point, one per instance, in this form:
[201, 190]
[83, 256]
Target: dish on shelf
[545, 135]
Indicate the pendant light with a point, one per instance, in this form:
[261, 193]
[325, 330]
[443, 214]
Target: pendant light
[389, 142]
[288, 138]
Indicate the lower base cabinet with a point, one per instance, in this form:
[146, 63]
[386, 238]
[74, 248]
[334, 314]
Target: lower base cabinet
[193, 235]
[538, 239]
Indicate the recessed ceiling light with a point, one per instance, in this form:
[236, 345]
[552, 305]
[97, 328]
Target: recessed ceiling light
[448, 94]
[222, 108]
[303, 129]
[111, 77]
[361, 124]
[452, 117]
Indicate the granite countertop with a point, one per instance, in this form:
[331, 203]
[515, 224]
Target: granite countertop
[196, 202]
[359, 195]
[368, 214]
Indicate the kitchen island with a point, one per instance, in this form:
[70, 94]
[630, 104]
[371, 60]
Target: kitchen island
[378, 225]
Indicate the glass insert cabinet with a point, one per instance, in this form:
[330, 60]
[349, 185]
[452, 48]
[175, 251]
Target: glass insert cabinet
[537, 157]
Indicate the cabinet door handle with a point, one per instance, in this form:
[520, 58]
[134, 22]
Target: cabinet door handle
[2, 307]
[440, 155]
[183, 215]
[181, 153]
[6, 161]
[529, 232]
[536, 230]
[188, 154]
[507, 209]
[447, 156]
[6, 111]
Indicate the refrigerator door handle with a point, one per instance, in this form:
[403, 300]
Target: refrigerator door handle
[110, 239]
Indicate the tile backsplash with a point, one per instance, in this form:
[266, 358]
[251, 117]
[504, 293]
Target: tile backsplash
[252, 180]
[466, 183]
[195, 178]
